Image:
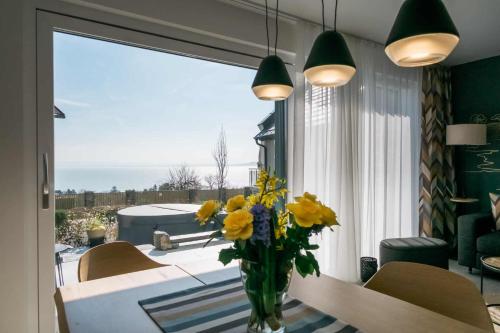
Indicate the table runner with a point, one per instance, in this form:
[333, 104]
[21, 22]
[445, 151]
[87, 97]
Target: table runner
[224, 307]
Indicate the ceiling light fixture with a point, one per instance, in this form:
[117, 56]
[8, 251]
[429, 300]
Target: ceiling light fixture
[272, 82]
[330, 63]
[423, 34]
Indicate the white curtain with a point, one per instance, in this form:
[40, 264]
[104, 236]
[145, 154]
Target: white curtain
[357, 148]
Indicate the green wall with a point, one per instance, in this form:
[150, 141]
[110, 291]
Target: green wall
[476, 99]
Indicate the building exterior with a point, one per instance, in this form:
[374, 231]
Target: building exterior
[265, 140]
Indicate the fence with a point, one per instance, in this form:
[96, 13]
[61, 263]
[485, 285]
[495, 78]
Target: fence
[92, 199]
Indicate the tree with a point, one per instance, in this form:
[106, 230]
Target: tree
[220, 156]
[181, 178]
[114, 190]
[211, 181]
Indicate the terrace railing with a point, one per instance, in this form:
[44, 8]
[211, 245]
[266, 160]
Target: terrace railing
[128, 198]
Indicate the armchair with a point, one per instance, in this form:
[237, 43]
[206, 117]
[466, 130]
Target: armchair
[477, 237]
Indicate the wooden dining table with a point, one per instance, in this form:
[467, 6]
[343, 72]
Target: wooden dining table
[111, 304]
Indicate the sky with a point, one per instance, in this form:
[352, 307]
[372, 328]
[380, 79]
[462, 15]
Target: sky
[127, 106]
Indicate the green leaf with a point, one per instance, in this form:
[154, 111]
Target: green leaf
[227, 255]
[311, 247]
[314, 262]
[304, 265]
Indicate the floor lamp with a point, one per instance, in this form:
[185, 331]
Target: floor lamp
[465, 135]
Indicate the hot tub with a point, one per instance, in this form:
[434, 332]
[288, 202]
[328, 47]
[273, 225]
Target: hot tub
[137, 224]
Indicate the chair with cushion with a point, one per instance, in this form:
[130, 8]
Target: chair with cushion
[113, 259]
[430, 251]
[435, 289]
[477, 237]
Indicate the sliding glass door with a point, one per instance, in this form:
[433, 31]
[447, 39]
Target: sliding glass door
[122, 115]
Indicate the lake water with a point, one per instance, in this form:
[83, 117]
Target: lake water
[102, 179]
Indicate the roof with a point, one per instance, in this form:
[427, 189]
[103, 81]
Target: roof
[265, 134]
[267, 122]
[58, 113]
[266, 127]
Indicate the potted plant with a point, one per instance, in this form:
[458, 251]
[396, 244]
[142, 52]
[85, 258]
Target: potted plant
[96, 231]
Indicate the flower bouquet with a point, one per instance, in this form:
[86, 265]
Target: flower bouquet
[269, 241]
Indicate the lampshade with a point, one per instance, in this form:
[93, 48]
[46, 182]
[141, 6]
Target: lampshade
[422, 34]
[466, 134]
[330, 63]
[272, 81]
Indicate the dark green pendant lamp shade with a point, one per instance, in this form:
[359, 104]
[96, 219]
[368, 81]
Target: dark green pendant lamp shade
[272, 81]
[330, 63]
[422, 34]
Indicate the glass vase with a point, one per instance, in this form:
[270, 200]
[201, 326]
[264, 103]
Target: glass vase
[266, 291]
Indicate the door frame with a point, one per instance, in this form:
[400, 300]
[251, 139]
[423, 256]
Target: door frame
[47, 24]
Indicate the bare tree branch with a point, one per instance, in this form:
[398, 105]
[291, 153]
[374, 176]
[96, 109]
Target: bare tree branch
[181, 178]
[220, 156]
[211, 181]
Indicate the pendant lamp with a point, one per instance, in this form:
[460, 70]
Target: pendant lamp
[330, 63]
[272, 82]
[423, 34]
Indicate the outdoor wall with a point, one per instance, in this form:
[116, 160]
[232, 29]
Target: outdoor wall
[476, 99]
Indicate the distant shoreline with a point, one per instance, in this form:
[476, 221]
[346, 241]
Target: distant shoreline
[103, 179]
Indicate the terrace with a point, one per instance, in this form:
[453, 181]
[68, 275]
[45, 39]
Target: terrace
[134, 217]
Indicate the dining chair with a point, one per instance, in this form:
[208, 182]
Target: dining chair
[435, 289]
[113, 259]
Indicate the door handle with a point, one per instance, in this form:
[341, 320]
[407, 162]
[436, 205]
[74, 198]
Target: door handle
[45, 182]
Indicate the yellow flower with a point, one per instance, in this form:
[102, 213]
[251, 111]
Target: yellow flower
[207, 211]
[328, 216]
[236, 202]
[310, 196]
[280, 230]
[307, 196]
[252, 199]
[306, 212]
[238, 225]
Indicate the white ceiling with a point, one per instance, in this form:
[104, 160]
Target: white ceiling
[478, 21]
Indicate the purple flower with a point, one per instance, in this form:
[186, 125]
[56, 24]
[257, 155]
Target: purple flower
[261, 227]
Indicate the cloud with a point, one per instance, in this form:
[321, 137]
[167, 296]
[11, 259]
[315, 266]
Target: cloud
[70, 102]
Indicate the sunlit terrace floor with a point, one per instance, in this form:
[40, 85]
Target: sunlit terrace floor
[190, 257]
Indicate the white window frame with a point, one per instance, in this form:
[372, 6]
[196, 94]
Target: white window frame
[47, 24]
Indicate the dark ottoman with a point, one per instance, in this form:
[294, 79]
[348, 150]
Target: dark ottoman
[429, 251]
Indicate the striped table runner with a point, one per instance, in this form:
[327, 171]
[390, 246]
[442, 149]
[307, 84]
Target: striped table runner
[224, 307]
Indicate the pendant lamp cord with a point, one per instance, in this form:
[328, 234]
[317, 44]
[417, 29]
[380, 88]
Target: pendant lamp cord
[267, 30]
[276, 40]
[323, 13]
[335, 22]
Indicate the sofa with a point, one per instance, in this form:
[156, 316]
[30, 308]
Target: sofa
[477, 237]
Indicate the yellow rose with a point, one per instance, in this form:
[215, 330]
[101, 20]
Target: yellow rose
[238, 225]
[207, 211]
[306, 212]
[309, 196]
[236, 202]
[328, 216]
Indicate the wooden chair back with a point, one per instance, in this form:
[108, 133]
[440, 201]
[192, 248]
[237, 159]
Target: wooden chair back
[435, 289]
[113, 259]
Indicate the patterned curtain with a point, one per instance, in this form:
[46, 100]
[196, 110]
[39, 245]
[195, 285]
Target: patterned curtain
[437, 173]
